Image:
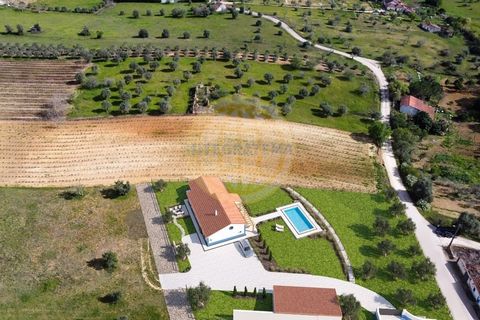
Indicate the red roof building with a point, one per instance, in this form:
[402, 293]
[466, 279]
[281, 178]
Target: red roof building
[411, 105]
[306, 301]
[297, 303]
[216, 211]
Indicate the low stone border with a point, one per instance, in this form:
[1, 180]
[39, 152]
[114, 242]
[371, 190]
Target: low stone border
[336, 240]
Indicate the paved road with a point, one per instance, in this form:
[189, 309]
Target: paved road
[457, 300]
[225, 267]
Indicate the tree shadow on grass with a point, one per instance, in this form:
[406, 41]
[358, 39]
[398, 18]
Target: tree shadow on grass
[369, 251]
[109, 193]
[96, 263]
[362, 231]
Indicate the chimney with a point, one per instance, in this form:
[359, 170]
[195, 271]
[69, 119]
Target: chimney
[216, 212]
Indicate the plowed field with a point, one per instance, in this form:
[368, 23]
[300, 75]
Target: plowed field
[93, 152]
[29, 87]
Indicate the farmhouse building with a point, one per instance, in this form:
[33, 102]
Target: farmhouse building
[411, 106]
[397, 6]
[430, 27]
[297, 303]
[468, 261]
[219, 214]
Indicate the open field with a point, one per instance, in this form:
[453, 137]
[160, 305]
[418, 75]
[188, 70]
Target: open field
[341, 91]
[465, 9]
[374, 34]
[313, 255]
[93, 152]
[46, 244]
[352, 216]
[63, 28]
[260, 199]
[29, 88]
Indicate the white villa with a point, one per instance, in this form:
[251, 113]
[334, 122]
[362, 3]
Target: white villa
[219, 214]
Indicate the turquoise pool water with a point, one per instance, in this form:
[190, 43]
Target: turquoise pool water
[298, 219]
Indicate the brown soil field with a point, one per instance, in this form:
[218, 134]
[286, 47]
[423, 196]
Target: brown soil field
[99, 152]
[30, 87]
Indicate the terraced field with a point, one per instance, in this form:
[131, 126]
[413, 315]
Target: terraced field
[29, 88]
[92, 152]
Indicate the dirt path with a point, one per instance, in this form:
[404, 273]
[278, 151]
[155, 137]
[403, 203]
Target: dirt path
[139, 149]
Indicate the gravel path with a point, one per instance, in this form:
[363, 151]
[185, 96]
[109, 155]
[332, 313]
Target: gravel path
[157, 233]
[177, 304]
[176, 300]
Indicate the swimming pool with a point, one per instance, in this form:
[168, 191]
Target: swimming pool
[298, 219]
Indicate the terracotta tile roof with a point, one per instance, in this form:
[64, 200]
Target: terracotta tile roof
[418, 104]
[306, 301]
[213, 205]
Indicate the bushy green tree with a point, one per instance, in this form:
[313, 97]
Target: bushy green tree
[199, 296]
[386, 247]
[381, 226]
[110, 261]
[406, 226]
[369, 270]
[397, 270]
[350, 307]
[121, 188]
[423, 270]
[405, 297]
[379, 132]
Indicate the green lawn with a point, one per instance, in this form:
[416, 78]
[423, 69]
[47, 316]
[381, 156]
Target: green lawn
[176, 236]
[174, 194]
[352, 215]
[260, 199]
[63, 28]
[222, 304]
[46, 244]
[315, 256]
[87, 103]
[465, 9]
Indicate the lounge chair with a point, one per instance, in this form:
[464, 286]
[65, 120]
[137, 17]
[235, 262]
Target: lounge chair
[279, 228]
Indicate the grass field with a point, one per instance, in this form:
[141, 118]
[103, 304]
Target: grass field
[175, 235]
[63, 28]
[465, 9]
[222, 304]
[373, 34]
[260, 199]
[315, 256]
[341, 91]
[352, 216]
[173, 194]
[46, 244]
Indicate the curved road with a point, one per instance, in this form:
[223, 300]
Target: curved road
[458, 302]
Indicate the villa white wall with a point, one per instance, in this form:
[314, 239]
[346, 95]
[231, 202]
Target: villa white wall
[233, 230]
[268, 315]
[474, 290]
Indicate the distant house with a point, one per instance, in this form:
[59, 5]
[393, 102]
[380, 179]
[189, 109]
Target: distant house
[411, 106]
[397, 6]
[217, 212]
[468, 261]
[168, 1]
[430, 27]
[220, 6]
[297, 303]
